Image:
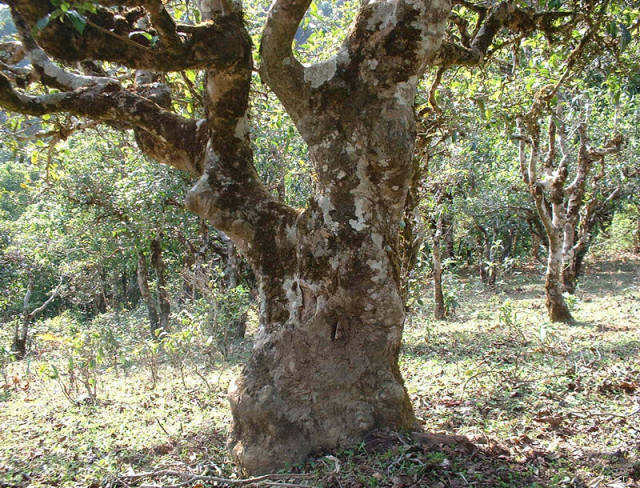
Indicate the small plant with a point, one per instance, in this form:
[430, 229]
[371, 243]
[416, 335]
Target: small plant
[149, 355]
[451, 289]
[508, 319]
[83, 357]
[179, 347]
[507, 316]
[6, 356]
[572, 301]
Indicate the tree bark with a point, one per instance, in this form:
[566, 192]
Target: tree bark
[535, 247]
[21, 331]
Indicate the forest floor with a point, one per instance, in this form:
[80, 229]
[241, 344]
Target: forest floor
[541, 404]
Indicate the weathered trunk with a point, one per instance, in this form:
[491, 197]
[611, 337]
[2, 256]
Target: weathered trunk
[572, 268]
[164, 305]
[324, 370]
[145, 292]
[556, 305]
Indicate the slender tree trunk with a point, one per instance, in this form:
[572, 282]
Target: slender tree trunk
[21, 330]
[231, 265]
[439, 309]
[556, 305]
[482, 268]
[636, 239]
[492, 270]
[535, 247]
[145, 292]
[164, 305]
[19, 344]
[447, 234]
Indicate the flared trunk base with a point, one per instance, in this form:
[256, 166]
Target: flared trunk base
[302, 394]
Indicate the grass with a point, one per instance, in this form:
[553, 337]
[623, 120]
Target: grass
[541, 404]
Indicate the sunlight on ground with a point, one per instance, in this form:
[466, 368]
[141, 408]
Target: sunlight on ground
[548, 405]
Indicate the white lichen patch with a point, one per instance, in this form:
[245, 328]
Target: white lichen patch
[360, 223]
[324, 202]
[318, 74]
[406, 92]
[242, 127]
[379, 269]
[377, 240]
[361, 194]
[292, 291]
[384, 16]
[291, 232]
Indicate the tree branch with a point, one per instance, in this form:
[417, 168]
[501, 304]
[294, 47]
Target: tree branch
[505, 14]
[280, 69]
[112, 37]
[112, 104]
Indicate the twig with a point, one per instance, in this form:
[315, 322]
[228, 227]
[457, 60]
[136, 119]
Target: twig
[164, 430]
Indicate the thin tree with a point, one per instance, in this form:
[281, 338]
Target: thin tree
[564, 206]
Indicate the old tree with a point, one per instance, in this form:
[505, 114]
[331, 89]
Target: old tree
[324, 369]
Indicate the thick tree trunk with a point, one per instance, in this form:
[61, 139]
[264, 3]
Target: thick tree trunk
[145, 292]
[556, 305]
[324, 369]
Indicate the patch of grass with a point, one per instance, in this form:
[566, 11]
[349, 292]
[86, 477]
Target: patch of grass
[543, 404]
